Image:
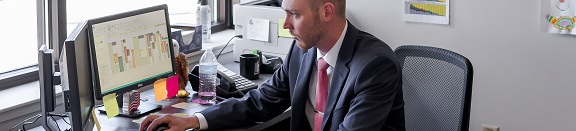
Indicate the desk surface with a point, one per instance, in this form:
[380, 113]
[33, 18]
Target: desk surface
[122, 123]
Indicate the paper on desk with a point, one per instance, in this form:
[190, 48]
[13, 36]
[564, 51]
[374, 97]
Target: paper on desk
[258, 29]
[172, 86]
[185, 105]
[95, 119]
[181, 114]
[160, 89]
[139, 120]
[111, 105]
[281, 31]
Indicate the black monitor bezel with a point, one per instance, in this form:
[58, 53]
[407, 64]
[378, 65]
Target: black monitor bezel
[79, 77]
[91, 22]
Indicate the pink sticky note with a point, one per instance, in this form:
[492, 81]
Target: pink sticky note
[172, 86]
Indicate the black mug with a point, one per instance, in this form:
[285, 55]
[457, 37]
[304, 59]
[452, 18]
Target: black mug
[250, 66]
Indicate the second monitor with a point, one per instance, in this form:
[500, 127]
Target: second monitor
[76, 80]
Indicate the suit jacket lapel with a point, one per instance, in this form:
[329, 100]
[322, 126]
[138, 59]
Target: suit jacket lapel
[301, 88]
[340, 71]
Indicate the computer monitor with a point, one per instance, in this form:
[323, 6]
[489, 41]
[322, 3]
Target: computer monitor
[130, 50]
[47, 92]
[76, 79]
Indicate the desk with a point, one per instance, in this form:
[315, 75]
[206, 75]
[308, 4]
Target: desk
[122, 123]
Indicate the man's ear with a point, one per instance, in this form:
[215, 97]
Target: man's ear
[327, 12]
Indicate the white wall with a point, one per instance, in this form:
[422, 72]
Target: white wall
[524, 79]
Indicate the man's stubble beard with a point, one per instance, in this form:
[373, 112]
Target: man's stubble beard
[316, 32]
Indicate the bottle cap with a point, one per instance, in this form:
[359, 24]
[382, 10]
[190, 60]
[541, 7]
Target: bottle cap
[203, 2]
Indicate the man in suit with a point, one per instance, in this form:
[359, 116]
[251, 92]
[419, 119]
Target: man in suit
[358, 85]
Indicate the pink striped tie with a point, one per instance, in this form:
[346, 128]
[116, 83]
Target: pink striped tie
[321, 93]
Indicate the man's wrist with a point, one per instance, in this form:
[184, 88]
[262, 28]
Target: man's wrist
[194, 122]
[201, 121]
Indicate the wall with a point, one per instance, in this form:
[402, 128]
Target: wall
[523, 78]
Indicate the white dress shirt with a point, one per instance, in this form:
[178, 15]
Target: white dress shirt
[330, 57]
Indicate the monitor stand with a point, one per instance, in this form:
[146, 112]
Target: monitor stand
[143, 109]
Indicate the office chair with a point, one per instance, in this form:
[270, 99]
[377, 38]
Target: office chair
[437, 88]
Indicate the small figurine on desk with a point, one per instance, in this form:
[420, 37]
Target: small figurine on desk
[182, 72]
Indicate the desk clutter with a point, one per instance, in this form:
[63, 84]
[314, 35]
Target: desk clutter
[231, 84]
[181, 71]
[110, 58]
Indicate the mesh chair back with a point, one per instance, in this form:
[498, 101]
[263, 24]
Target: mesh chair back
[437, 86]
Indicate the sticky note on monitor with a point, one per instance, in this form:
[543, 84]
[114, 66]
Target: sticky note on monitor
[111, 105]
[160, 89]
[281, 31]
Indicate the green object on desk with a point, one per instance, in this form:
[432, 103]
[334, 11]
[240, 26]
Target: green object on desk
[255, 52]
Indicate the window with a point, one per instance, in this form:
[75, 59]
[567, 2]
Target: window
[18, 35]
[80, 10]
[182, 12]
[58, 18]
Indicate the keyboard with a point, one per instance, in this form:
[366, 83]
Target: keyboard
[241, 83]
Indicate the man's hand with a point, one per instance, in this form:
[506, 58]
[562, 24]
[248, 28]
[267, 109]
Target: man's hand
[175, 123]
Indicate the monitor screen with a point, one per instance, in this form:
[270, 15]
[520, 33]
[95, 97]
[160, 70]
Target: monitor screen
[76, 78]
[131, 49]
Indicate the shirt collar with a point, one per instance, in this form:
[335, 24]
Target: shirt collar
[332, 54]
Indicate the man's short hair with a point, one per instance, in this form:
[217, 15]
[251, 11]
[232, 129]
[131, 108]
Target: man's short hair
[339, 5]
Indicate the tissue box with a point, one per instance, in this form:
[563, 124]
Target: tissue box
[194, 45]
[177, 35]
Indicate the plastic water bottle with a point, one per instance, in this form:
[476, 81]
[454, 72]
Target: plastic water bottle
[208, 79]
[204, 18]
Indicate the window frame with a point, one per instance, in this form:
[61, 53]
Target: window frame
[18, 77]
[52, 28]
[224, 19]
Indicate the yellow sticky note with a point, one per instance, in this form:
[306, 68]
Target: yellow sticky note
[111, 105]
[181, 114]
[160, 89]
[95, 119]
[281, 31]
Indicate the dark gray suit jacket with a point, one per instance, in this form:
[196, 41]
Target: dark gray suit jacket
[365, 90]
